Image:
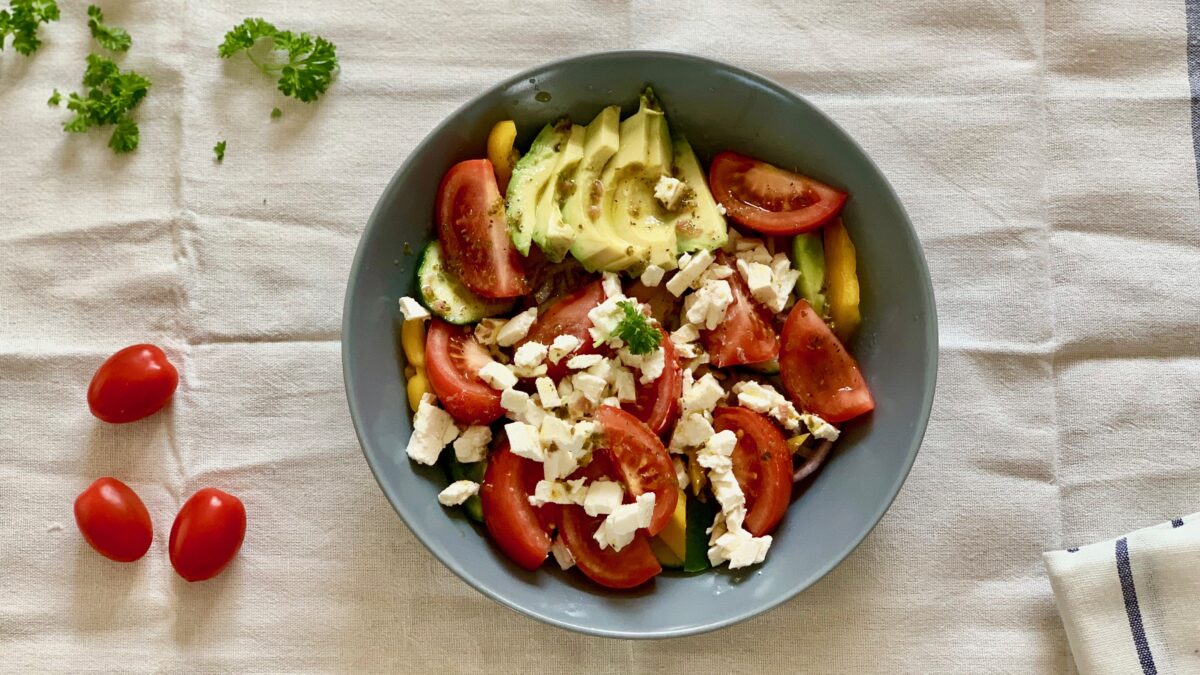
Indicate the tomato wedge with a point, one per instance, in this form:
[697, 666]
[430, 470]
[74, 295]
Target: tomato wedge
[657, 403]
[632, 566]
[641, 461]
[452, 361]
[762, 465]
[818, 373]
[509, 517]
[770, 200]
[474, 234]
[746, 334]
[568, 316]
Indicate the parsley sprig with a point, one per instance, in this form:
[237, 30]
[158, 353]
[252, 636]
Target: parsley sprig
[635, 329]
[311, 60]
[21, 20]
[219, 150]
[111, 95]
[111, 38]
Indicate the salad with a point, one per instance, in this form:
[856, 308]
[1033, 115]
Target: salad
[625, 362]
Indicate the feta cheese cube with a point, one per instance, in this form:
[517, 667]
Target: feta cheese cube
[524, 441]
[619, 527]
[681, 473]
[517, 328]
[584, 361]
[558, 492]
[625, 385]
[472, 444]
[692, 431]
[604, 370]
[611, 401]
[558, 464]
[652, 275]
[670, 192]
[651, 364]
[548, 393]
[555, 431]
[757, 275]
[739, 548]
[458, 492]
[521, 407]
[530, 355]
[605, 318]
[611, 282]
[717, 271]
[686, 333]
[562, 554]
[706, 307]
[433, 429]
[819, 428]
[703, 394]
[717, 453]
[486, 330]
[689, 272]
[413, 310]
[764, 398]
[603, 497]
[687, 351]
[589, 386]
[498, 376]
[563, 345]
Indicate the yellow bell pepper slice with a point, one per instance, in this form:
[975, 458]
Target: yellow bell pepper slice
[674, 535]
[501, 153]
[841, 279]
[418, 386]
[695, 473]
[666, 556]
[412, 339]
[796, 442]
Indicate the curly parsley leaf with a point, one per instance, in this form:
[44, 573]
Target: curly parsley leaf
[311, 61]
[21, 20]
[111, 38]
[111, 95]
[55, 98]
[219, 150]
[635, 329]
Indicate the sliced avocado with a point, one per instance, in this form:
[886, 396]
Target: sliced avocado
[595, 245]
[699, 225]
[808, 255]
[529, 178]
[550, 232]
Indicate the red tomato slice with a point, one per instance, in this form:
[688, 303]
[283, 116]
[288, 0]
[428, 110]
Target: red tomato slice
[657, 403]
[746, 335]
[452, 360]
[474, 234]
[568, 316]
[762, 465]
[133, 383]
[114, 520]
[817, 371]
[770, 200]
[207, 534]
[641, 461]
[632, 566]
[510, 518]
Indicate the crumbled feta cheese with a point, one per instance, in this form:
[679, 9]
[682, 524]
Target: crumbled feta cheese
[524, 440]
[517, 328]
[555, 431]
[692, 431]
[764, 398]
[618, 529]
[721, 208]
[689, 272]
[716, 271]
[603, 369]
[729, 542]
[563, 345]
[603, 497]
[530, 355]
[651, 364]
[819, 428]
[486, 329]
[652, 275]
[685, 334]
[740, 548]
[433, 429]
[687, 351]
[670, 191]
[584, 361]
[757, 275]
[472, 444]
[681, 473]
[548, 393]
[605, 318]
[589, 386]
[498, 376]
[521, 407]
[611, 401]
[458, 492]
[706, 307]
[703, 394]
[562, 554]
[717, 451]
[558, 464]
[558, 492]
[625, 385]
[412, 310]
[611, 282]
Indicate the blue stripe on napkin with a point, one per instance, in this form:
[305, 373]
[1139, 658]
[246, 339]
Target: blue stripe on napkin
[1193, 60]
[1125, 573]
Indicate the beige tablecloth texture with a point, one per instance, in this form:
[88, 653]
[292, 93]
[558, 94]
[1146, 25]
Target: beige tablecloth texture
[1044, 153]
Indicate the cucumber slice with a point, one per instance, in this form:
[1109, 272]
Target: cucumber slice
[444, 295]
[808, 255]
[456, 470]
[700, 516]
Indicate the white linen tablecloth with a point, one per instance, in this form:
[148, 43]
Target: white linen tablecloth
[1044, 152]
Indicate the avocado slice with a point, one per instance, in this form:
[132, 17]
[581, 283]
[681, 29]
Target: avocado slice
[699, 225]
[808, 255]
[530, 177]
[550, 232]
[594, 244]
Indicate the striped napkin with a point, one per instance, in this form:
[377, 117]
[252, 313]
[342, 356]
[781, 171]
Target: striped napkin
[1132, 605]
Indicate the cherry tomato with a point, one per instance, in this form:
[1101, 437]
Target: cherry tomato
[745, 335]
[762, 465]
[510, 518]
[206, 534]
[770, 200]
[657, 403]
[818, 373]
[452, 361]
[568, 316]
[133, 383]
[474, 233]
[113, 520]
[641, 461]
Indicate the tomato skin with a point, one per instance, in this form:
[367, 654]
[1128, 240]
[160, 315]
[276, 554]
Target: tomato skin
[746, 335]
[509, 517]
[632, 566]
[474, 233]
[114, 520]
[207, 534]
[452, 360]
[762, 465]
[771, 200]
[568, 316]
[657, 403]
[134, 383]
[818, 373]
[641, 461]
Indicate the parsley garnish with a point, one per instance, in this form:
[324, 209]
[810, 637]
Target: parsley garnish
[21, 20]
[219, 150]
[110, 37]
[276, 113]
[110, 96]
[636, 330]
[55, 98]
[311, 61]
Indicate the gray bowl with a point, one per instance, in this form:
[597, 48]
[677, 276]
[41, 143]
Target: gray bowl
[718, 107]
